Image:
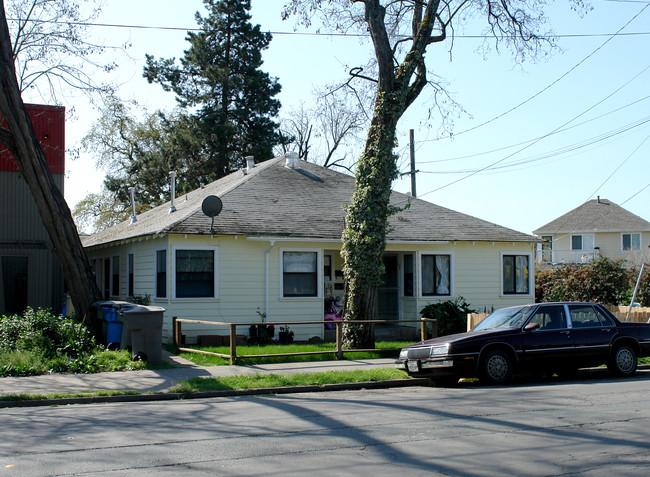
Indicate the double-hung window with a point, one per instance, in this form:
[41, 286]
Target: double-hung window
[161, 273]
[630, 242]
[299, 273]
[195, 273]
[115, 275]
[516, 274]
[130, 275]
[436, 275]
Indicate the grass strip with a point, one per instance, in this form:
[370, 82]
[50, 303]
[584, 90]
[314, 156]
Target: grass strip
[388, 349]
[282, 380]
[88, 394]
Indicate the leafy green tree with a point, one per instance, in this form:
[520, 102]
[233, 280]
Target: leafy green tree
[604, 281]
[220, 78]
[400, 31]
[643, 293]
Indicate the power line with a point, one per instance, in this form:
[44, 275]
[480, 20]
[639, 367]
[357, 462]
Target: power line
[314, 34]
[539, 139]
[617, 34]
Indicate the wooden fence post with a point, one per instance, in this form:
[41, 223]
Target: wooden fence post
[423, 329]
[176, 332]
[233, 343]
[339, 339]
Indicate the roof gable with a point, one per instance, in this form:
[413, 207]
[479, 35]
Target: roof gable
[309, 202]
[599, 215]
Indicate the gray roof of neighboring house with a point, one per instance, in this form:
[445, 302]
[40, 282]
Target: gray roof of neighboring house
[274, 200]
[599, 215]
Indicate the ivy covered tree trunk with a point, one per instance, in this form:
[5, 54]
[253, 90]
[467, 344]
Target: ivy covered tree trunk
[17, 134]
[364, 236]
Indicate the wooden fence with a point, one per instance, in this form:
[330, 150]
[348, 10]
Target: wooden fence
[638, 315]
[177, 327]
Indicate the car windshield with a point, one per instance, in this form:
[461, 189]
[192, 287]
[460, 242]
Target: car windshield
[505, 318]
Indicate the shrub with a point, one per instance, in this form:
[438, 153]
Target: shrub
[43, 332]
[604, 281]
[451, 315]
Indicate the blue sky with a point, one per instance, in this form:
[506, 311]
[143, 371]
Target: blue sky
[583, 130]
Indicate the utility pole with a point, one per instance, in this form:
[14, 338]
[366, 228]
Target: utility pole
[413, 171]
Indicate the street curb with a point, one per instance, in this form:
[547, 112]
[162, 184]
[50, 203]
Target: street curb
[393, 383]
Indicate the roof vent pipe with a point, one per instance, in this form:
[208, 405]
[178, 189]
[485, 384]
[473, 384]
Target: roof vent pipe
[172, 175]
[250, 162]
[132, 193]
[292, 160]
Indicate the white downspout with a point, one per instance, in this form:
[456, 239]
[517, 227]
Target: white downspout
[267, 278]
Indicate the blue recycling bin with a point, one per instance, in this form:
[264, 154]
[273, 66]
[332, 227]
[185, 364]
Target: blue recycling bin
[113, 326]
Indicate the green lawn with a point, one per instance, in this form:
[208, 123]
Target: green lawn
[281, 380]
[390, 349]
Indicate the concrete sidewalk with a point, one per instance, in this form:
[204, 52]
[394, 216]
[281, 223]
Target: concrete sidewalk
[156, 381]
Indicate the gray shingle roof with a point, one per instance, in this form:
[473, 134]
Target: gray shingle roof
[600, 215]
[274, 200]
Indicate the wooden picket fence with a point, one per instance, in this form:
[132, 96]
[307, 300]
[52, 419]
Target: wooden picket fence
[637, 315]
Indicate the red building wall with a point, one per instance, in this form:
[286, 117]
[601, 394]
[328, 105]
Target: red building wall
[49, 125]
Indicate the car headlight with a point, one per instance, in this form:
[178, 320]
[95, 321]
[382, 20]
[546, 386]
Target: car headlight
[403, 354]
[439, 350]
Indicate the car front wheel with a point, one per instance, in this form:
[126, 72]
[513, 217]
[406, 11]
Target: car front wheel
[495, 367]
[623, 361]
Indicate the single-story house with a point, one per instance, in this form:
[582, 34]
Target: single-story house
[273, 250]
[597, 228]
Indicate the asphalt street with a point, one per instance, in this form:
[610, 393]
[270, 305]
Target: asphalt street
[590, 426]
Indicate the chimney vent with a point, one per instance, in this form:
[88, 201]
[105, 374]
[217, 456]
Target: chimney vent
[250, 162]
[132, 193]
[172, 175]
[292, 160]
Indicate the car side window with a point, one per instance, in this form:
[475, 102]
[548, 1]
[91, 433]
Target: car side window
[584, 316]
[604, 319]
[549, 318]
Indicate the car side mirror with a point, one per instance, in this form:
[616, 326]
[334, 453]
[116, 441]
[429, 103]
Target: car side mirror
[530, 327]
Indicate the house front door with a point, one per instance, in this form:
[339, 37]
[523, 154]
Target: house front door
[388, 292]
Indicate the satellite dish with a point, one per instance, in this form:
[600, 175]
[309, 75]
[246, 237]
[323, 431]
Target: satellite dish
[211, 207]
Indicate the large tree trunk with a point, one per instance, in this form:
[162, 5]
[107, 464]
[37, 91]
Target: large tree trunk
[18, 135]
[364, 236]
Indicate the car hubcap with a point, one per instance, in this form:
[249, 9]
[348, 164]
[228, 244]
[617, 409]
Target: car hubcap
[497, 367]
[625, 360]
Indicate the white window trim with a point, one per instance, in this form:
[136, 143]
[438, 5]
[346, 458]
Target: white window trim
[420, 280]
[630, 234]
[155, 274]
[129, 271]
[173, 272]
[319, 274]
[531, 272]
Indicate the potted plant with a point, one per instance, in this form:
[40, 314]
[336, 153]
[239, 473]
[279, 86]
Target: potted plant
[285, 336]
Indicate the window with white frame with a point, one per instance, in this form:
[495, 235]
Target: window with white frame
[582, 242]
[161, 273]
[299, 273]
[130, 274]
[195, 273]
[436, 274]
[516, 274]
[630, 242]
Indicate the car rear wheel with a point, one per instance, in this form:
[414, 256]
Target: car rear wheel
[623, 361]
[495, 367]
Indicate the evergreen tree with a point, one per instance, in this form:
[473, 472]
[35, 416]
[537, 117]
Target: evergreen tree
[219, 77]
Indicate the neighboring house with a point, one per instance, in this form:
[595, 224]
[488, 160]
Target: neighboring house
[598, 228]
[30, 273]
[275, 249]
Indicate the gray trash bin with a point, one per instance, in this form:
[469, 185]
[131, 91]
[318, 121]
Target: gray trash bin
[143, 324]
